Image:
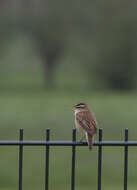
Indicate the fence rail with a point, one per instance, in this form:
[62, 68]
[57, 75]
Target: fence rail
[66, 143]
[47, 143]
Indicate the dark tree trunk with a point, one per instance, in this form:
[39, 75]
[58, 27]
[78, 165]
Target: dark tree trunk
[49, 72]
[50, 62]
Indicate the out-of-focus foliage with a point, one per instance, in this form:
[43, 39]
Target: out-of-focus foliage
[100, 35]
[116, 36]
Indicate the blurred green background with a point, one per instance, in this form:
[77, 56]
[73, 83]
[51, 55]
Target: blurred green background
[54, 54]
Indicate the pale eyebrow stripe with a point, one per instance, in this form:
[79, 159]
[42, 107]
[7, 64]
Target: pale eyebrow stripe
[80, 106]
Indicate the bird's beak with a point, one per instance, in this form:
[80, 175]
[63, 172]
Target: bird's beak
[73, 108]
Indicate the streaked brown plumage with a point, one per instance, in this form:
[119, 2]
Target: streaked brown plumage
[86, 122]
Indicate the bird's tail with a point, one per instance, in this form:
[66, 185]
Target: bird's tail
[90, 140]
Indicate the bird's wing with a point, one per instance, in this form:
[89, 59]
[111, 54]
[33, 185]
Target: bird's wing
[87, 122]
[93, 122]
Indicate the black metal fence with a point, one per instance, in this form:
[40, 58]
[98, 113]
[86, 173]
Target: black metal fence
[73, 144]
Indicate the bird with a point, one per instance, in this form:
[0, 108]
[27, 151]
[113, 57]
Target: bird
[85, 122]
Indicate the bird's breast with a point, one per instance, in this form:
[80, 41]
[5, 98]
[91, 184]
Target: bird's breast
[78, 126]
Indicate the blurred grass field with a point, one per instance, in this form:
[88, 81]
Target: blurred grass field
[36, 110]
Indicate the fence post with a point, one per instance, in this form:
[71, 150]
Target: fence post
[126, 160]
[20, 159]
[47, 161]
[73, 160]
[99, 159]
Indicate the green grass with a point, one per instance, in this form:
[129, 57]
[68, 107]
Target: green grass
[36, 110]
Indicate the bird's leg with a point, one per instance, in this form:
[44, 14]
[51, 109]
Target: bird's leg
[82, 138]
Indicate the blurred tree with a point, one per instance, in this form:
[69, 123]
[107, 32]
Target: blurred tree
[114, 45]
[50, 51]
[117, 69]
[99, 34]
[37, 20]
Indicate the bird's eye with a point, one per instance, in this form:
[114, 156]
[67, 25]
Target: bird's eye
[80, 105]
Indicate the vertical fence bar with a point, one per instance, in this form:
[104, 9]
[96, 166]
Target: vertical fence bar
[20, 160]
[47, 161]
[73, 160]
[126, 160]
[99, 160]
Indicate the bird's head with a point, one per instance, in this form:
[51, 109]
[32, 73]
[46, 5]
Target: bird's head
[80, 107]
